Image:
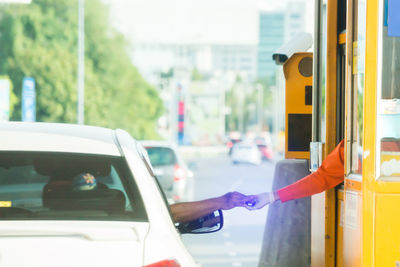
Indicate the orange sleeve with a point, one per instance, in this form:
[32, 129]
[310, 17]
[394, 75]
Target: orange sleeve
[328, 175]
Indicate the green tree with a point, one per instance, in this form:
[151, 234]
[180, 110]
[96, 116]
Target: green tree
[242, 100]
[40, 40]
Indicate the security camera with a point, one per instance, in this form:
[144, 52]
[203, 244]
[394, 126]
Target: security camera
[301, 42]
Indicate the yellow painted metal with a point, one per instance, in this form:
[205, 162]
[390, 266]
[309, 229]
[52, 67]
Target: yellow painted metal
[387, 230]
[368, 234]
[384, 187]
[330, 227]
[369, 185]
[331, 76]
[342, 38]
[5, 204]
[295, 97]
[330, 137]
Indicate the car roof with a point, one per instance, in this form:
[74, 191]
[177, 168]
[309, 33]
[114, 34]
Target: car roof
[57, 137]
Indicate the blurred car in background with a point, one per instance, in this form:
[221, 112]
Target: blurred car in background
[175, 178]
[265, 149]
[233, 138]
[230, 143]
[246, 152]
[73, 195]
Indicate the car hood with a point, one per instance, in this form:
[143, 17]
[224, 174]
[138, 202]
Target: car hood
[77, 244]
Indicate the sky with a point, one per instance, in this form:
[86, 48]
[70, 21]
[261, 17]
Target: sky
[190, 21]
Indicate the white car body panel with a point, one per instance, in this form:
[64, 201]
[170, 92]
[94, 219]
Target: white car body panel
[73, 243]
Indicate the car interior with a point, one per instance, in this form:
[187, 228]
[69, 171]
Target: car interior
[51, 186]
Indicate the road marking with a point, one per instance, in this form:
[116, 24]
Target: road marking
[226, 235]
[236, 264]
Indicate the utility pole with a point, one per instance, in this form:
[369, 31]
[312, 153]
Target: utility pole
[222, 91]
[81, 61]
[260, 109]
[241, 108]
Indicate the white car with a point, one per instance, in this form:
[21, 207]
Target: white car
[175, 178]
[75, 195]
[246, 152]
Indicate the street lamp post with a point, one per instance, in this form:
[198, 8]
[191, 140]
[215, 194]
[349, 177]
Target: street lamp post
[260, 109]
[81, 61]
[241, 97]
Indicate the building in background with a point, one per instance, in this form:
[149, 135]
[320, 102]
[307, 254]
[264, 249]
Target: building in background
[275, 28]
[209, 59]
[169, 61]
[295, 17]
[235, 58]
[173, 66]
[271, 36]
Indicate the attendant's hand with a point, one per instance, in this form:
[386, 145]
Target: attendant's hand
[261, 200]
[235, 199]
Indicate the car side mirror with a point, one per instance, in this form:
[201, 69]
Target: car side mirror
[210, 223]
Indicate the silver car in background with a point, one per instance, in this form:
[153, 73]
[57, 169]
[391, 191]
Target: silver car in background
[174, 176]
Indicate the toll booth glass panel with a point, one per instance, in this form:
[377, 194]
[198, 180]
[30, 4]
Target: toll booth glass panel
[358, 75]
[388, 106]
[324, 53]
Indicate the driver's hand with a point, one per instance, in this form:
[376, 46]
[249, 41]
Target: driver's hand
[235, 199]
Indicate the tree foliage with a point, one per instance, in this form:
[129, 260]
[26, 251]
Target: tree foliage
[242, 101]
[40, 40]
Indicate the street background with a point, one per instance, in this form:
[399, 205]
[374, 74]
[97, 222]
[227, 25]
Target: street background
[198, 74]
[240, 240]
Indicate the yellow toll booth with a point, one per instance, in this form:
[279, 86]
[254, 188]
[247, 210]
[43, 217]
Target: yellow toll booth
[298, 105]
[358, 85]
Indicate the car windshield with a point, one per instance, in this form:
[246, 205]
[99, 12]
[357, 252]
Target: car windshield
[59, 186]
[161, 156]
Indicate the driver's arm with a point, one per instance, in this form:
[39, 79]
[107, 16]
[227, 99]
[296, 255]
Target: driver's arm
[188, 211]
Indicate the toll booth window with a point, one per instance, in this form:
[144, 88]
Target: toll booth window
[388, 106]
[357, 84]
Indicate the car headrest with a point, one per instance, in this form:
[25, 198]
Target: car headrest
[109, 200]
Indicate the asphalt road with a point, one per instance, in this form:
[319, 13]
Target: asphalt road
[239, 242]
